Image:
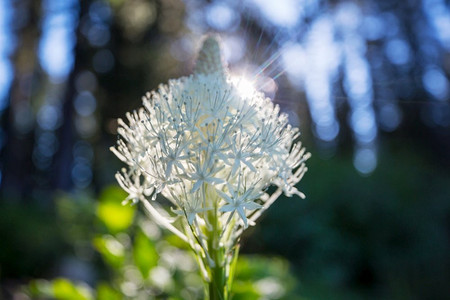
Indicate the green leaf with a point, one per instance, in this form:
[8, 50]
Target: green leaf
[233, 268]
[175, 241]
[112, 213]
[40, 288]
[258, 267]
[105, 292]
[65, 290]
[244, 291]
[144, 254]
[112, 251]
[268, 277]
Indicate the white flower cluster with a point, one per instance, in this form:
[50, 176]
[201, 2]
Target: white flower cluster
[209, 150]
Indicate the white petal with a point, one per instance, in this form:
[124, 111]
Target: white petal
[227, 207]
[225, 196]
[196, 186]
[241, 213]
[251, 205]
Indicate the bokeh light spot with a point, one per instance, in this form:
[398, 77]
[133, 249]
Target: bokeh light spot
[283, 13]
[365, 160]
[49, 117]
[398, 52]
[85, 103]
[221, 17]
[390, 117]
[436, 83]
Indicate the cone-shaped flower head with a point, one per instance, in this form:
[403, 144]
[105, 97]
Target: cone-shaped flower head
[209, 149]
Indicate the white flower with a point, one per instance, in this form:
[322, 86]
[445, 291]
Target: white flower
[204, 173]
[191, 209]
[238, 201]
[211, 151]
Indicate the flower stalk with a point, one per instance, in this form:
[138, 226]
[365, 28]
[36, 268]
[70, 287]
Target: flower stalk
[212, 151]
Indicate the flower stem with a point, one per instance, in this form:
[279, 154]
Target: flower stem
[218, 285]
[217, 289]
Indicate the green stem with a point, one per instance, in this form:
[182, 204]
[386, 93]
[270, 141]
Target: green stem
[218, 285]
[217, 288]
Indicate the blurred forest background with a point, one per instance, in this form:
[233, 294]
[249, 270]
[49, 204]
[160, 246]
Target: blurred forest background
[366, 81]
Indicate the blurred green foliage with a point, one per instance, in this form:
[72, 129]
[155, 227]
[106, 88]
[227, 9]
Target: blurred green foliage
[60, 288]
[141, 261]
[115, 216]
[384, 236]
